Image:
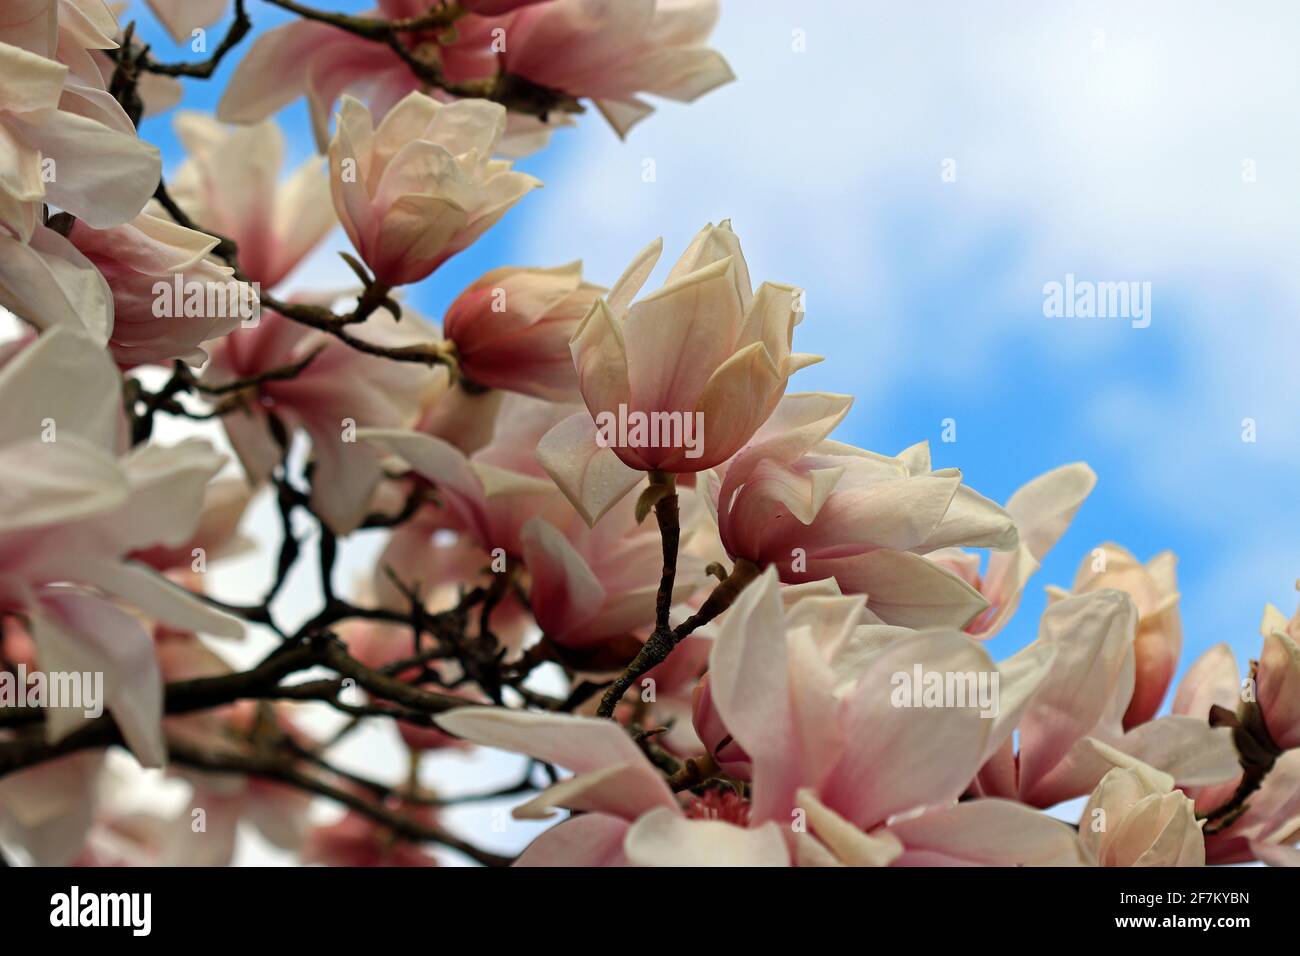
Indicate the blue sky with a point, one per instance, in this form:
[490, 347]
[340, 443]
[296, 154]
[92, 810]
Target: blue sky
[1089, 138]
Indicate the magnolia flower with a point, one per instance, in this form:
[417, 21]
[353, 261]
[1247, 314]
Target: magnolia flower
[339, 390]
[1071, 733]
[1277, 678]
[1154, 589]
[421, 186]
[630, 816]
[101, 175]
[323, 62]
[594, 585]
[614, 50]
[677, 382]
[818, 509]
[608, 51]
[1135, 818]
[511, 329]
[230, 183]
[168, 296]
[74, 511]
[1262, 715]
[840, 774]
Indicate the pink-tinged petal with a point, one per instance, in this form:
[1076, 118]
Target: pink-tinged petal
[28, 81]
[593, 478]
[847, 843]
[49, 283]
[78, 633]
[435, 459]
[1093, 635]
[664, 838]
[47, 809]
[1022, 675]
[904, 588]
[798, 423]
[565, 592]
[1212, 679]
[273, 73]
[347, 474]
[600, 359]
[711, 245]
[737, 399]
[973, 521]
[1275, 806]
[619, 791]
[905, 756]
[1276, 854]
[105, 177]
[1044, 507]
[593, 839]
[47, 483]
[986, 833]
[162, 600]
[1187, 748]
[35, 385]
[1278, 681]
[750, 686]
[580, 744]
[680, 335]
[633, 278]
[1133, 819]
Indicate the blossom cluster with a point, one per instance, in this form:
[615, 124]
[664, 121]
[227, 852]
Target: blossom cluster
[615, 541]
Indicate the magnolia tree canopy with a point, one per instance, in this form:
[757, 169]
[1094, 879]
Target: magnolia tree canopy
[616, 538]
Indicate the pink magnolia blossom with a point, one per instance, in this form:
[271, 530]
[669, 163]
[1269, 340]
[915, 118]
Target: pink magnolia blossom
[592, 585]
[630, 816]
[795, 687]
[614, 50]
[511, 329]
[1154, 589]
[322, 62]
[422, 185]
[817, 509]
[340, 391]
[704, 352]
[230, 183]
[76, 511]
[168, 296]
[1262, 708]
